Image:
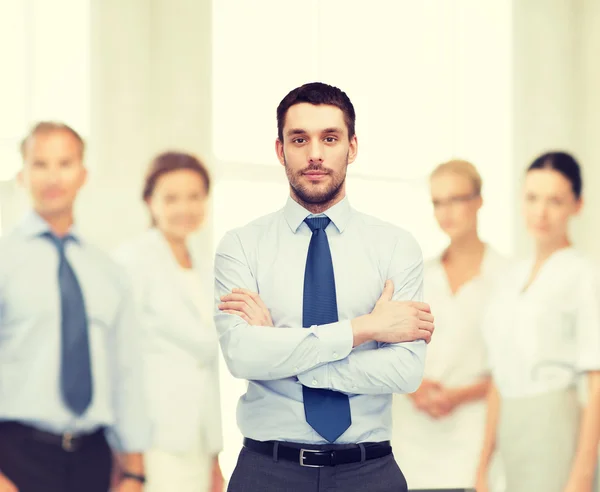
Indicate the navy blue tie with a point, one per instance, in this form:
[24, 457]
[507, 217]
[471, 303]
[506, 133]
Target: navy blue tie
[327, 411]
[75, 368]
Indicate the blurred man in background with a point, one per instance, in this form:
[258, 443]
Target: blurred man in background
[70, 360]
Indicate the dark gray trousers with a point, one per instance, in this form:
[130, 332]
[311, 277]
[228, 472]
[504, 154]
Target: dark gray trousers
[255, 472]
[34, 465]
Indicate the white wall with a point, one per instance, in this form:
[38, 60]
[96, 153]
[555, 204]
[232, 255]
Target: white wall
[556, 101]
[588, 117]
[150, 67]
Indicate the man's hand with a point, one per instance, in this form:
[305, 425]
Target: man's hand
[6, 485]
[217, 480]
[130, 485]
[247, 305]
[394, 321]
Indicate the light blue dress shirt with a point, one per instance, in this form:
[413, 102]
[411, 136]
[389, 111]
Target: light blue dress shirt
[30, 332]
[268, 256]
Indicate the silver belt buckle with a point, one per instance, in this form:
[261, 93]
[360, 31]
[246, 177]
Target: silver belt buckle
[67, 441]
[302, 457]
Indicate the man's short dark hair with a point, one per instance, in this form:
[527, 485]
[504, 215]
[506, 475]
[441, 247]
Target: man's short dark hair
[317, 93]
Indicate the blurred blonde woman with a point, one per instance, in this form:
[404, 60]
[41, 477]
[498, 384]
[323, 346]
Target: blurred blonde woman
[438, 431]
[174, 297]
[542, 331]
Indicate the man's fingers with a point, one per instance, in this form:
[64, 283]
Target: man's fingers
[245, 291]
[235, 296]
[237, 313]
[236, 306]
[425, 316]
[426, 326]
[255, 297]
[424, 335]
[239, 297]
[421, 306]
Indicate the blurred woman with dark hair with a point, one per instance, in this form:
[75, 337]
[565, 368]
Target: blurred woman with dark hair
[174, 296]
[542, 332]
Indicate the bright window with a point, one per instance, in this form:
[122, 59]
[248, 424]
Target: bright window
[44, 61]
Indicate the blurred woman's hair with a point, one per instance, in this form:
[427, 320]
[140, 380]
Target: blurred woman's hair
[168, 162]
[461, 168]
[565, 164]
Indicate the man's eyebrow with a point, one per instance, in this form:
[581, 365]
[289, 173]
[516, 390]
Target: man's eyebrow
[295, 131]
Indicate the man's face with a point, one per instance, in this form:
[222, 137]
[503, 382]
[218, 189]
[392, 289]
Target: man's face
[316, 152]
[53, 172]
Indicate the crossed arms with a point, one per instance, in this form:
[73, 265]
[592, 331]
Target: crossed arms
[323, 356]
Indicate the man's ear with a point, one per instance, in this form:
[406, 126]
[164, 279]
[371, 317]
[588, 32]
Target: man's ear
[353, 149]
[280, 152]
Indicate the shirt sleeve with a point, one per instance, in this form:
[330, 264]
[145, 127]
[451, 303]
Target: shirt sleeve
[131, 430]
[263, 352]
[387, 368]
[587, 324]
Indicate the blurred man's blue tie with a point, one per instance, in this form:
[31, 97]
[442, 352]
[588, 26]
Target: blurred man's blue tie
[327, 411]
[75, 370]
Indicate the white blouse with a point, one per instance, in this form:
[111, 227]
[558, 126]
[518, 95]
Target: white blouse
[181, 346]
[540, 338]
[456, 357]
[210, 417]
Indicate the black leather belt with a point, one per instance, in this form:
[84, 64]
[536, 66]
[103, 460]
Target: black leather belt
[67, 441]
[318, 458]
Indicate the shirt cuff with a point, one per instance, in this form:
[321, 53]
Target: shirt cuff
[133, 442]
[336, 340]
[336, 344]
[316, 378]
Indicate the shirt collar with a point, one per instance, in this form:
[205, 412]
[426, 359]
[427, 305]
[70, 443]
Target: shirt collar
[339, 214]
[33, 225]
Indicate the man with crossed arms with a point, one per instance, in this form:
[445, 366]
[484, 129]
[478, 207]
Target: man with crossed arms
[323, 347]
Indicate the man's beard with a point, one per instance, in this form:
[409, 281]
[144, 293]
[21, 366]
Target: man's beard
[308, 194]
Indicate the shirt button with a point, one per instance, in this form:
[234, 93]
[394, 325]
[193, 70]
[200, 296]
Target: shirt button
[297, 369]
[314, 382]
[335, 355]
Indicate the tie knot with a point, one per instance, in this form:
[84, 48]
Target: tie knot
[317, 223]
[59, 242]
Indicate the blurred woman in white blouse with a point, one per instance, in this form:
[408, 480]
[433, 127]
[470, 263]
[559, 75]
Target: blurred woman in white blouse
[174, 296]
[438, 431]
[542, 330]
